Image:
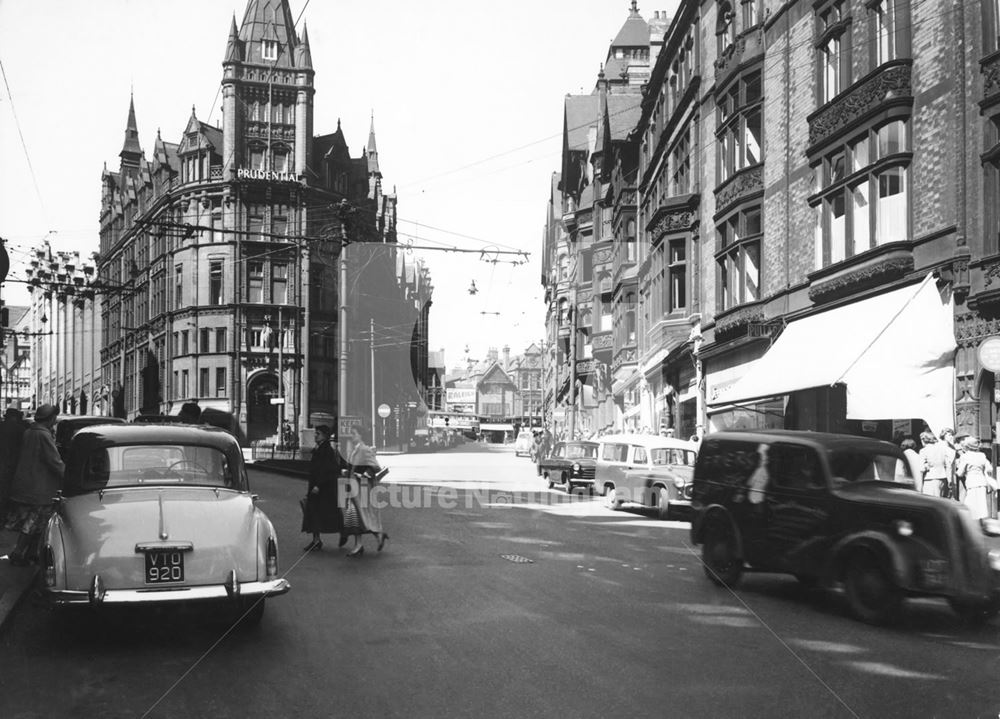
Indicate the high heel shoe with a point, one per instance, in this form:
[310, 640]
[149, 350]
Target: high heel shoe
[382, 540]
[357, 551]
[343, 540]
[312, 546]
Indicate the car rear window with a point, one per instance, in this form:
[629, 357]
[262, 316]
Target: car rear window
[676, 457]
[157, 464]
[615, 452]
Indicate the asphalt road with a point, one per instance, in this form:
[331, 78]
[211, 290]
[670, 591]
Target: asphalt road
[611, 617]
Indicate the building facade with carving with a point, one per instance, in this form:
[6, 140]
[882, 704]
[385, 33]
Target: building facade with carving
[817, 200]
[224, 257]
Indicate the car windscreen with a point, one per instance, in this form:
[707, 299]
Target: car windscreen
[581, 451]
[157, 464]
[661, 456]
[858, 465]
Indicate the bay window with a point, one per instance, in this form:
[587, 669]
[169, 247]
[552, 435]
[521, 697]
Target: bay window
[740, 133]
[738, 256]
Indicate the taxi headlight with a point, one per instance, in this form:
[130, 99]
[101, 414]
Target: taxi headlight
[679, 482]
[576, 466]
[904, 528]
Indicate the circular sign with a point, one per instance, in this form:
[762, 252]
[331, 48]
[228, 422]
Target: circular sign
[385, 410]
[989, 354]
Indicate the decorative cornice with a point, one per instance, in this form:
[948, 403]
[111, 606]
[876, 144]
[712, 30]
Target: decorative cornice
[737, 321]
[677, 214]
[746, 48]
[602, 341]
[872, 275]
[738, 187]
[889, 82]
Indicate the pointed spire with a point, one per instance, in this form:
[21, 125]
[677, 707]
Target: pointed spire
[371, 152]
[303, 58]
[131, 152]
[234, 48]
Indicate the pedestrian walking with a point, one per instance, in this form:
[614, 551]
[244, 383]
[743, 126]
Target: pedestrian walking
[936, 459]
[321, 512]
[947, 437]
[977, 472]
[38, 479]
[11, 435]
[362, 516]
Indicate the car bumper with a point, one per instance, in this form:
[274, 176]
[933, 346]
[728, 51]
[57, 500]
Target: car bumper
[211, 592]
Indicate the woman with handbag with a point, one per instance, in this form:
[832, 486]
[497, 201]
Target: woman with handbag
[977, 472]
[321, 513]
[362, 515]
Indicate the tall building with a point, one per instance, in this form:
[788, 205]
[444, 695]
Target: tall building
[816, 193]
[224, 255]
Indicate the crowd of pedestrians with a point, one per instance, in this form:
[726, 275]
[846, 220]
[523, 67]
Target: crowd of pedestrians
[954, 467]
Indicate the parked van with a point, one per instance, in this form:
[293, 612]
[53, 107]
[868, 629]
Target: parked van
[645, 469]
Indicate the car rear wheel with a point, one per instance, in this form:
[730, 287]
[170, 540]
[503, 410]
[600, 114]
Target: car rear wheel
[663, 503]
[719, 555]
[871, 594]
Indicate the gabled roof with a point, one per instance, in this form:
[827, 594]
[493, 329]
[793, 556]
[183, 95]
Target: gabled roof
[624, 111]
[494, 373]
[580, 114]
[635, 31]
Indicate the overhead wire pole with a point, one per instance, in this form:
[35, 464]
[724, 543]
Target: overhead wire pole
[371, 342]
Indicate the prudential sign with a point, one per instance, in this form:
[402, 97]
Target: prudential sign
[243, 173]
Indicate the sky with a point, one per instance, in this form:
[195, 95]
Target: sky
[466, 97]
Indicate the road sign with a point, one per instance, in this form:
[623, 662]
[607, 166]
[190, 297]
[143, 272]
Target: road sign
[277, 400]
[384, 410]
[989, 354]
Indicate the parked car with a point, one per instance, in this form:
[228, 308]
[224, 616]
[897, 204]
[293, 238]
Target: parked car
[570, 463]
[159, 514]
[837, 509]
[68, 425]
[646, 469]
[524, 444]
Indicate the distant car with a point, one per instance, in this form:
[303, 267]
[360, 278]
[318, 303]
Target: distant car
[68, 425]
[524, 444]
[837, 509]
[570, 463]
[159, 514]
[646, 469]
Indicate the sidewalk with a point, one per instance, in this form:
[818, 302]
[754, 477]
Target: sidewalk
[15, 582]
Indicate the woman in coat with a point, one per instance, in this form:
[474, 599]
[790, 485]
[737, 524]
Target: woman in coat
[321, 513]
[977, 472]
[362, 516]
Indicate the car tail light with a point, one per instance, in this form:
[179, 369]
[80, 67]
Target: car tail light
[272, 557]
[49, 563]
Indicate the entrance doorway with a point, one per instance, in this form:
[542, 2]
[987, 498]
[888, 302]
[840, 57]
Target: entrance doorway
[262, 416]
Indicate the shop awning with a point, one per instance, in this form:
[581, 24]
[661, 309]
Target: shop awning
[894, 352]
[496, 427]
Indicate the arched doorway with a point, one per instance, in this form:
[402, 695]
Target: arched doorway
[262, 416]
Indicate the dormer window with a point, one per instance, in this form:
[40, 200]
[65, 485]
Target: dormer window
[269, 49]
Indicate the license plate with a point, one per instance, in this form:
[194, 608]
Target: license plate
[166, 566]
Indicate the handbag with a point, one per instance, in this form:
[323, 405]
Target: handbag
[352, 520]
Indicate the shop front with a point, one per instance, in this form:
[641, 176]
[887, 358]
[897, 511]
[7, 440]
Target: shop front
[880, 366]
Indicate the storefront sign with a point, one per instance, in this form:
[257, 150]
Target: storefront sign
[243, 173]
[460, 395]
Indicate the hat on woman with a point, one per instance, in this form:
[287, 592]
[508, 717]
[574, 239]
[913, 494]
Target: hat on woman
[46, 412]
[970, 443]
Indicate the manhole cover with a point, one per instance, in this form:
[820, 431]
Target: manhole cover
[517, 559]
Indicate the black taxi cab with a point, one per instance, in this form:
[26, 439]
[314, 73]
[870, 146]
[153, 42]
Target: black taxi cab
[838, 509]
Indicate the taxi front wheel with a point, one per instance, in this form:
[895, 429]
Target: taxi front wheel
[718, 555]
[871, 594]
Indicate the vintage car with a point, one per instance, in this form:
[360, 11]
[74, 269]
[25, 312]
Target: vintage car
[838, 509]
[159, 514]
[570, 463]
[68, 425]
[524, 444]
[645, 469]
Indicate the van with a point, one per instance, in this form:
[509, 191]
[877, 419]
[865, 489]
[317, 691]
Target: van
[645, 469]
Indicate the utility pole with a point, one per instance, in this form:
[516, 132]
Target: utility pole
[342, 292]
[281, 379]
[371, 344]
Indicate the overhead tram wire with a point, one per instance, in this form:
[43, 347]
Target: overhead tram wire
[24, 145]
